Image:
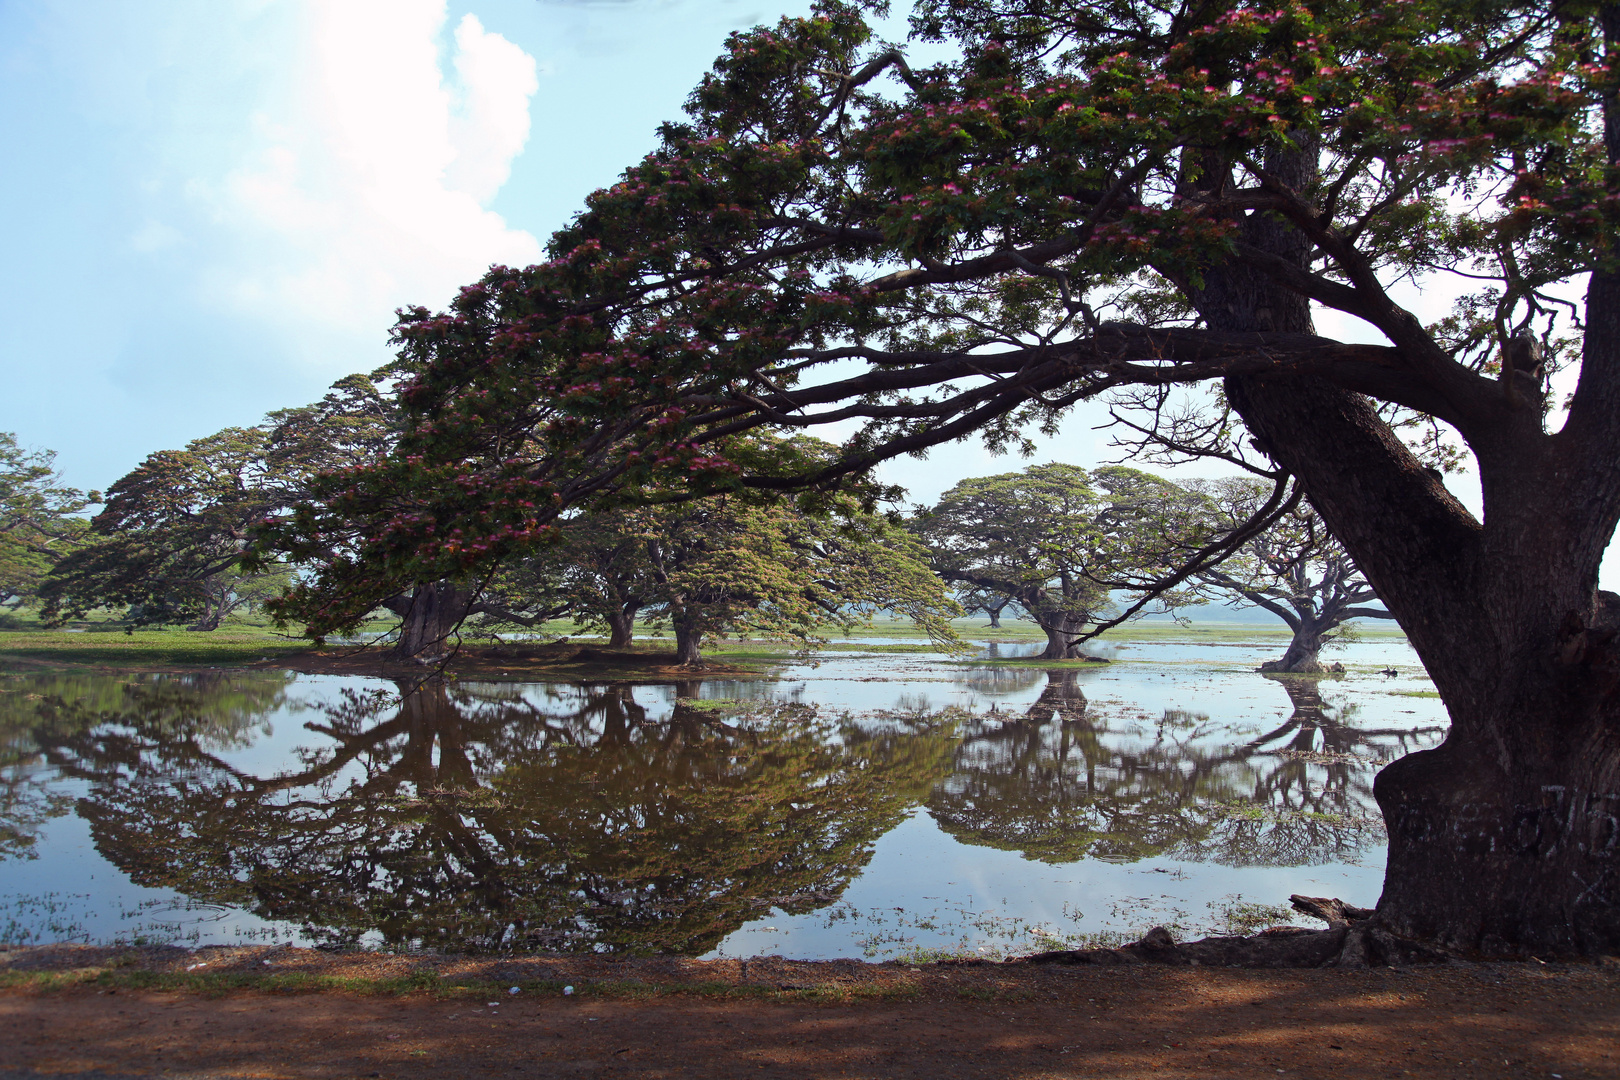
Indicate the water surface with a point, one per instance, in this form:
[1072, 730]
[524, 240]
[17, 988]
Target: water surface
[869, 804]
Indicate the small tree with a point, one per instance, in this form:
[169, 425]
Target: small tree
[1058, 539]
[1295, 570]
[989, 601]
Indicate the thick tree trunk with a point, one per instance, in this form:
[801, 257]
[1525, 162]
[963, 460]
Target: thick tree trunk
[1302, 652]
[209, 621]
[688, 642]
[428, 617]
[621, 627]
[1061, 630]
[1504, 840]
[1507, 858]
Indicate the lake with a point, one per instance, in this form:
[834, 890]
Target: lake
[887, 806]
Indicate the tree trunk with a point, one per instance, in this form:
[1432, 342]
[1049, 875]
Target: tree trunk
[428, 617]
[1504, 840]
[995, 614]
[1301, 654]
[209, 621]
[1512, 848]
[688, 639]
[621, 627]
[217, 599]
[1061, 630]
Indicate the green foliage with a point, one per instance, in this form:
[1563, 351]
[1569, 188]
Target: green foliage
[168, 544]
[963, 231]
[1059, 539]
[171, 544]
[39, 519]
[743, 564]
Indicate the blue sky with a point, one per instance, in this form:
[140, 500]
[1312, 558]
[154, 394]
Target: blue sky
[214, 206]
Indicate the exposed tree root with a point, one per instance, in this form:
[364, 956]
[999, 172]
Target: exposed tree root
[1353, 939]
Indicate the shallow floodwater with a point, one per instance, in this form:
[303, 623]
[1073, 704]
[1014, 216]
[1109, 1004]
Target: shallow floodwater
[870, 804]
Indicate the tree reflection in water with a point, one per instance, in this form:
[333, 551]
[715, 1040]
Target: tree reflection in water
[192, 717]
[503, 816]
[495, 816]
[1059, 784]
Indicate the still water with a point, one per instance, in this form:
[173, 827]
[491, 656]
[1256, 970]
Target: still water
[866, 805]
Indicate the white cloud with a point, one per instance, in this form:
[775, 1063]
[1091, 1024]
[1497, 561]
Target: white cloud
[370, 167]
[497, 80]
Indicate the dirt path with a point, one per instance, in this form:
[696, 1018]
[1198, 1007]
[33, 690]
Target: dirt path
[680, 1018]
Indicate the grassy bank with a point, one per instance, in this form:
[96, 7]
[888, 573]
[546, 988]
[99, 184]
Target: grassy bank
[549, 649]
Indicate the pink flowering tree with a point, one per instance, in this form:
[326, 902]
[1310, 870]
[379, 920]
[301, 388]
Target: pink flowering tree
[1149, 202]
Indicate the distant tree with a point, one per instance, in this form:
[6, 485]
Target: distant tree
[1294, 569]
[989, 601]
[1058, 540]
[168, 544]
[741, 565]
[39, 519]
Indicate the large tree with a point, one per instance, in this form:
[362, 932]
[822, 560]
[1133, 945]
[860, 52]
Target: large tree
[1056, 539]
[168, 545]
[1094, 196]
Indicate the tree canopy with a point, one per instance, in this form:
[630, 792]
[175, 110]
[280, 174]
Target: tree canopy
[1089, 198]
[1059, 540]
[730, 564]
[1294, 569]
[40, 519]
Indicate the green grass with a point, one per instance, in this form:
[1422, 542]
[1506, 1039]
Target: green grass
[228, 646]
[245, 641]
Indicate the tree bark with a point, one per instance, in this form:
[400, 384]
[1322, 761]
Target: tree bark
[688, 642]
[1061, 629]
[1505, 839]
[428, 617]
[210, 621]
[1301, 656]
[621, 627]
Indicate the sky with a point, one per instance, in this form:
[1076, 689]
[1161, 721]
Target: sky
[213, 207]
[219, 204]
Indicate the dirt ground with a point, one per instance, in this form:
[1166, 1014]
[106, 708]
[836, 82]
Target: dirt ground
[774, 1018]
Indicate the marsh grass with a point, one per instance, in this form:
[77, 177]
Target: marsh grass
[226, 647]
